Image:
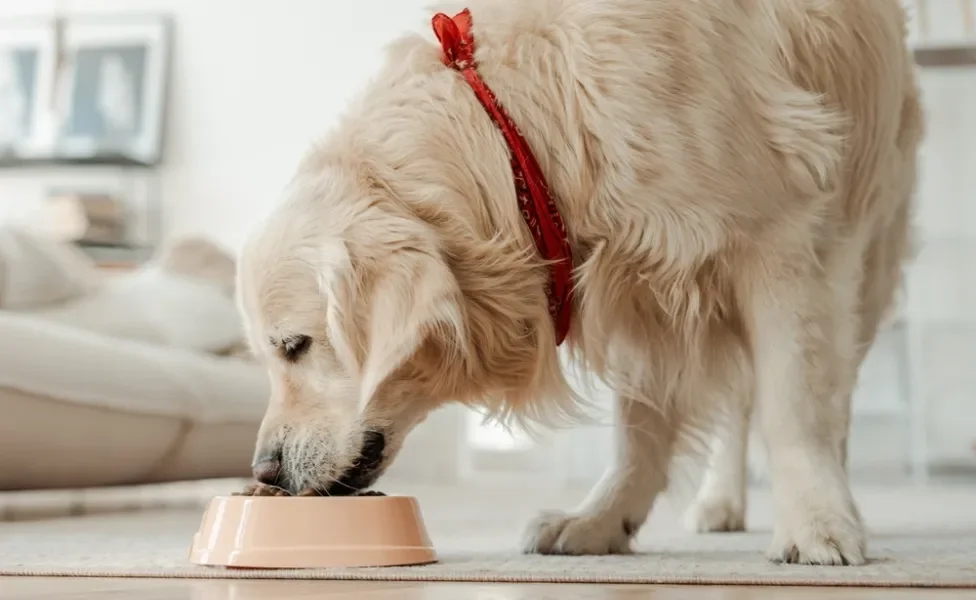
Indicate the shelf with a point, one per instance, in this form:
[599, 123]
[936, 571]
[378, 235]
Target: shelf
[121, 254]
[8, 161]
[948, 55]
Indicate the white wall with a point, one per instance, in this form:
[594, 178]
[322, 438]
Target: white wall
[253, 83]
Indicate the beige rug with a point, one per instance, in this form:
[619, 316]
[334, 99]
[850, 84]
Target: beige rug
[920, 537]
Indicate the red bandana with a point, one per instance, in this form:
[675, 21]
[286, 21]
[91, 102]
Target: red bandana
[537, 206]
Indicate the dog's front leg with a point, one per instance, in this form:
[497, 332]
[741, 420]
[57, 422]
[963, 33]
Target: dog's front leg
[618, 505]
[804, 356]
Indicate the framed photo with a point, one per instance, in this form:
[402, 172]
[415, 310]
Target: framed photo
[26, 93]
[113, 88]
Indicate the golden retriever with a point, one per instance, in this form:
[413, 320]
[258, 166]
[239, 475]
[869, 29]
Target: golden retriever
[736, 179]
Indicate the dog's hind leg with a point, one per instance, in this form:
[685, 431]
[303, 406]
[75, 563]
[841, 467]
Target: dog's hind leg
[721, 501]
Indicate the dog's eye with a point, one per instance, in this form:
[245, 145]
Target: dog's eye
[295, 347]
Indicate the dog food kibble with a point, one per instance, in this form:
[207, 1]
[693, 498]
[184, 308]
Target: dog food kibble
[262, 489]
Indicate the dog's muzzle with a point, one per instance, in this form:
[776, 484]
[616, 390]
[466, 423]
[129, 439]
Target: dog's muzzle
[268, 469]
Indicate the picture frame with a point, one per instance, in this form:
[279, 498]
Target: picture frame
[27, 61]
[113, 89]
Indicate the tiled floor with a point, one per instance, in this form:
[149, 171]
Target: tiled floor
[175, 589]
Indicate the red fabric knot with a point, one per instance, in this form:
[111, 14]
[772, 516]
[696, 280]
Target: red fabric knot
[536, 204]
[454, 35]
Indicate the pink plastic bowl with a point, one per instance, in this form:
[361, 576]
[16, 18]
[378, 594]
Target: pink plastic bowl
[312, 532]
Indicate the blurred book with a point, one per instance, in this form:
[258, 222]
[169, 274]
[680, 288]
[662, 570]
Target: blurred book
[87, 218]
[98, 223]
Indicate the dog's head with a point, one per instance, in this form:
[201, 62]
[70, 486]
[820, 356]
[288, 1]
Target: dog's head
[369, 317]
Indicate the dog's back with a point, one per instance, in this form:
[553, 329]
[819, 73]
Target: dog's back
[676, 131]
[677, 81]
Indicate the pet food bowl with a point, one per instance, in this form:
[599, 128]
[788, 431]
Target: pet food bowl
[274, 532]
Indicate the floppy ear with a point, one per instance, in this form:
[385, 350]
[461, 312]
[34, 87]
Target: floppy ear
[416, 297]
[337, 284]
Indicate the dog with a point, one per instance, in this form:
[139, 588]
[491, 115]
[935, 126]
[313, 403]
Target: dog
[732, 184]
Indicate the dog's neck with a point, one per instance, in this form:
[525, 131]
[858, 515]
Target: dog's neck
[420, 130]
[422, 134]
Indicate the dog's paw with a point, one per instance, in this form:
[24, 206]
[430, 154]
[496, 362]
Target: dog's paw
[261, 489]
[714, 514]
[558, 533]
[824, 539]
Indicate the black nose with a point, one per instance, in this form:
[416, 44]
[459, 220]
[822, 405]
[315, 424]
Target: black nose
[267, 468]
[373, 445]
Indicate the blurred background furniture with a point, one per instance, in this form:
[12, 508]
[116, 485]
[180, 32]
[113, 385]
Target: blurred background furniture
[82, 100]
[123, 378]
[937, 322]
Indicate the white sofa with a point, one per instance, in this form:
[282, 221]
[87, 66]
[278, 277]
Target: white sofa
[118, 381]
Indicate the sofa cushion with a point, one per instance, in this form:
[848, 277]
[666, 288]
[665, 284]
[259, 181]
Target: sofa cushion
[82, 409]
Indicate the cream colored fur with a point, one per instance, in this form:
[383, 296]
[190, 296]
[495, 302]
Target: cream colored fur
[736, 177]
